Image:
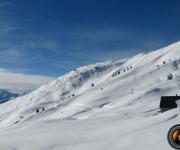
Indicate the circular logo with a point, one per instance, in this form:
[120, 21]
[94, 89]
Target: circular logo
[174, 136]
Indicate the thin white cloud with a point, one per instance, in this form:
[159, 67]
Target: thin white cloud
[13, 56]
[25, 52]
[5, 28]
[50, 45]
[21, 82]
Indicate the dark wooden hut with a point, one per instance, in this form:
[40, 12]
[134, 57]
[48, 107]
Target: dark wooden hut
[168, 102]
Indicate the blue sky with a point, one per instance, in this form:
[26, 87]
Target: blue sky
[51, 37]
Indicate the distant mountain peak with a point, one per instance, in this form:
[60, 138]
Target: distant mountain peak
[6, 95]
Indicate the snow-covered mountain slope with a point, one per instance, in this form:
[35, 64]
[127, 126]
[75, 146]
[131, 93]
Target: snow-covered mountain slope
[6, 95]
[110, 105]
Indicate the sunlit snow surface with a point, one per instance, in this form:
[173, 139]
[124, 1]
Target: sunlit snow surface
[106, 106]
